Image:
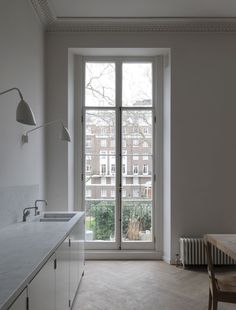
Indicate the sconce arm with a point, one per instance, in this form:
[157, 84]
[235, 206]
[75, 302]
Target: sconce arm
[10, 89]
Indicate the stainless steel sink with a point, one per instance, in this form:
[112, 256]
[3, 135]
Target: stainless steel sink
[61, 215]
[54, 220]
[57, 217]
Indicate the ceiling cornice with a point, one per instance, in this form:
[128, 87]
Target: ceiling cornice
[44, 11]
[62, 24]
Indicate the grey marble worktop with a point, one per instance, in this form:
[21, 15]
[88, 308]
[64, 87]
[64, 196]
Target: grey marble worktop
[24, 249]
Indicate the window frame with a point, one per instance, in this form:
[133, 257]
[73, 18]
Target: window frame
[157, 104]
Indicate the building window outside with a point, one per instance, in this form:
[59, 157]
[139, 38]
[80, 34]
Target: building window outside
[113, 168]
[88, 168]
[103, 181]
[103, 143]
[123, 193]
[145, 157]
[103, 169]
[103, 130]
[135, 169]
[103, 154]
[145, 169]
[103, 193]
[145, 144]
[135, 181]
[135, 157]
[145, 130]
[135, 193]
[124, 169]
[135, 142]
[113, 194]
[88, 193]
[88, 143]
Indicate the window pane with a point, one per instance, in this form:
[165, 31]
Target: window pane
[99, 84]
[100, 195]
[100, 220]
[137, 85]
[100, 132]
[137, 133]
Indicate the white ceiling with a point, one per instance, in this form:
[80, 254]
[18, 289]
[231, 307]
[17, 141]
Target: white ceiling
[143, 8]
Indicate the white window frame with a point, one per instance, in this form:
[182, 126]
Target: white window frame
[157, 105]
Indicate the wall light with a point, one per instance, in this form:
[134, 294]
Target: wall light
[64, 135]
[24, 114]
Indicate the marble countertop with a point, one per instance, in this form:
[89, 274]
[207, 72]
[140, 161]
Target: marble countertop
[24, 249]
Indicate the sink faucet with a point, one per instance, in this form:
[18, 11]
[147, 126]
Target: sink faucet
[26, 212]
[40, 200]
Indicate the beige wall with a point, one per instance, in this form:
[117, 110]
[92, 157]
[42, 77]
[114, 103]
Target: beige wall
[203, 109]
[22, 66]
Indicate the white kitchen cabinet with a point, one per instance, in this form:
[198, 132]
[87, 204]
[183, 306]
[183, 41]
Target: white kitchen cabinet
[81, 246]
[42, 289]
[76, 257]
[62, 275]
[20, 302]
[55, 285]
[74, 262]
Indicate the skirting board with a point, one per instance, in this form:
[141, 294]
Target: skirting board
[125, 255]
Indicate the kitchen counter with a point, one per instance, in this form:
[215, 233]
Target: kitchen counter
[24, 249]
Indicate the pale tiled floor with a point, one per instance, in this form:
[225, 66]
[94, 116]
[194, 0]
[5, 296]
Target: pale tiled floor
[139, 285]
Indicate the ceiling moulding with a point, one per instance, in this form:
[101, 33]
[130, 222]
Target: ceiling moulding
[53, 23]
[142, 25]
[44, 11]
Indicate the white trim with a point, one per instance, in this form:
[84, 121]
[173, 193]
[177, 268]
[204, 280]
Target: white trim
[158, 168]
[167, 260]
[117, 254]
[53, 23]
[157, 109]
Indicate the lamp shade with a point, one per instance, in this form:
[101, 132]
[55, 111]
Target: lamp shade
[24, 114]
[65, 136]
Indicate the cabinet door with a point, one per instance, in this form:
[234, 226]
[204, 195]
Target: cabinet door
[74, 262]
[62, 275]
[20, 302]
[81, 246]
[41, 290]
[76, 257]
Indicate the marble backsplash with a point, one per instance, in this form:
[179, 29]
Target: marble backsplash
[13, 200]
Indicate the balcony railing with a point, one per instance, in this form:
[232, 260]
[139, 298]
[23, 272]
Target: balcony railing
[136, 220]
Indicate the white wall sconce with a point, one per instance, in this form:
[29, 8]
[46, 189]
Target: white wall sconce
[24, 114]
[64, 134]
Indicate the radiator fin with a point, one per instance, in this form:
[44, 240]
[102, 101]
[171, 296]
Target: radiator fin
[192, 252]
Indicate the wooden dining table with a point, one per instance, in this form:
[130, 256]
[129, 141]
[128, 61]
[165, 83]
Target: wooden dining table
[224, 242]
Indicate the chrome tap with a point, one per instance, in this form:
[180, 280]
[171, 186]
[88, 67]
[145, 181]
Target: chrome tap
[37, 201]
[26, 212]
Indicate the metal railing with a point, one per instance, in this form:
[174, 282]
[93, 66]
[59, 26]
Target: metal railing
[100, 219]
